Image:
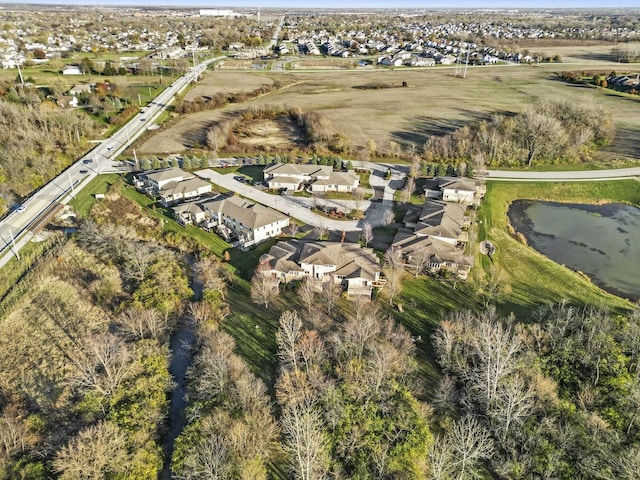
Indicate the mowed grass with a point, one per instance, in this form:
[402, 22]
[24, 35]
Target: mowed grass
[425, 303]
[533, 278]
[86, 198]
[434, 103]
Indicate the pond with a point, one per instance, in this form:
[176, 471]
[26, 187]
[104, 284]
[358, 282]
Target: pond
[603, 241]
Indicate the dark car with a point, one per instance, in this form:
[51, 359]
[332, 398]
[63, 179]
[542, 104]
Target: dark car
[239, 178]
[87, 161]
[83, 171]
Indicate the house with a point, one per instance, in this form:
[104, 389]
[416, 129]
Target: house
[71, 70]
[78, 89]
[152, 182]
[455, 189]
[445, 221]
[175, 192]
[318, 178]
[233, 218]
[337, 182]
[355, 268]
[68, 101]
[437, 231]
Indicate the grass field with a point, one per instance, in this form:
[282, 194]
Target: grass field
[86, 198]
[435, 102]
[533, 278]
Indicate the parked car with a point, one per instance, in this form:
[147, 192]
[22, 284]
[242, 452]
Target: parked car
[239, 178]
[87, 161]
[21, 209]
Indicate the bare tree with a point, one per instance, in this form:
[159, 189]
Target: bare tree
[212, 274]
[287, 338]
[104, 364]
[210, 461]
[322, 231]
[143, 323]
[97, 452]
[441, 459]
[367, 233]
[263, 288]
[13, 435]
[293, 228]
[418, 259]
[541, 134]
[389, 217]
[307, 293]
[514, 403]
[471, 444]
[407, 191]
[305, 442]
[393, 273]
[358, 197]
[330, 294]
[137, 258]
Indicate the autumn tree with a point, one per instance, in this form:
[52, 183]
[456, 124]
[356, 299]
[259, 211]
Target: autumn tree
[264, 288]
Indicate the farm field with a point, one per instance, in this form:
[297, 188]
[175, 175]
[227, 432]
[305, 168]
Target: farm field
[434, 102]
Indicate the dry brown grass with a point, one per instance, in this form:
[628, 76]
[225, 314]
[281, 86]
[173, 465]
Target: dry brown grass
[435, 102]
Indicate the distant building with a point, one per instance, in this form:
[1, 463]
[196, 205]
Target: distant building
[317, 178]
[71, 70]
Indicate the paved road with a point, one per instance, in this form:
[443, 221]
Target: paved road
[571, 176]
[15, 227]
[300, 207]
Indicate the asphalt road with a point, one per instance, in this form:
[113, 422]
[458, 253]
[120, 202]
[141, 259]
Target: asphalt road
[300, 207]
[571, 176]
[15, 227]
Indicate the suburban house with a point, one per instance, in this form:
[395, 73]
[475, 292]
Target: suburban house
[68, 101]
[71, 70]
[233, 218]
[175, 192]
[78, 89]
[463, 190]
[317, 178]
[445, 221]
[355, 268]
[440, 255]
[437, 231]
[152, 182]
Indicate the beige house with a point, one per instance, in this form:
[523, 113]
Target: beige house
[176, 192]
[456, 189]
[438, 230]
[355, 268]
[234, 218]
[152, 182]
[318, 178]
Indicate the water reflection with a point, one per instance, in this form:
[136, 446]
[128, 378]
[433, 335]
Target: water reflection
[602, 241]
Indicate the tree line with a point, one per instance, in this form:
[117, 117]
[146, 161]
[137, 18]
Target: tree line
[554, 398]
[546, 131]
[37, 143]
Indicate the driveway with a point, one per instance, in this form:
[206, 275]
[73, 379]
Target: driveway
[300, 207]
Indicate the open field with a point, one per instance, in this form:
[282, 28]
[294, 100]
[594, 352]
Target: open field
[434, 103]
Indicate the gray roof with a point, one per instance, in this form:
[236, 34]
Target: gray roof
[167, 174]
[297, 169]
[249, 214]
[190, 185]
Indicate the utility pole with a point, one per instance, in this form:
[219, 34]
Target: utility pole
[13, 243]
[466, 65]
[73, 192]
[15, 57]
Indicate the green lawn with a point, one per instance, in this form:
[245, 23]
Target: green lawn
[425, 302]
[85, 198]
[533, 278]
[210, 240]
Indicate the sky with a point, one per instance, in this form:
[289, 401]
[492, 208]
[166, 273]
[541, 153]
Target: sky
[510, 4]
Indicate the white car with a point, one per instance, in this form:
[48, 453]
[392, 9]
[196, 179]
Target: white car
[21, 209]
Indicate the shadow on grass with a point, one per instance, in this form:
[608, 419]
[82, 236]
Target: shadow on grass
[425, 303]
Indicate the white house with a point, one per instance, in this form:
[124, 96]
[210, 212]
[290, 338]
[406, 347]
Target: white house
[455, 189]
[319, 178]
[71, 70]
[152, 182]
[175, 192]
[233, 218]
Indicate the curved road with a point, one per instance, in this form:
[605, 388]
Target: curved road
[565, 176]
